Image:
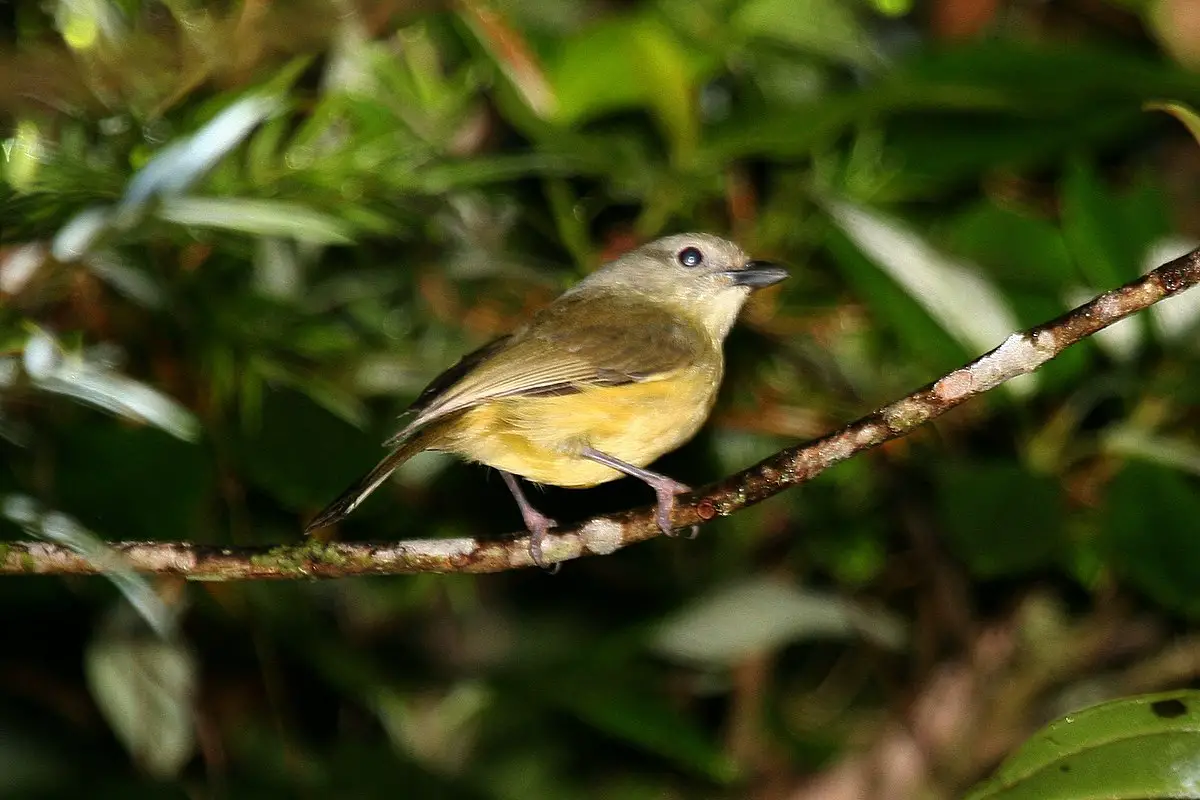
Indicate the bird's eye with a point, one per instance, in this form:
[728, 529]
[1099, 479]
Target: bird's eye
[691, 257]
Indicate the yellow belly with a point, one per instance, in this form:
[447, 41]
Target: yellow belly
[540, 438]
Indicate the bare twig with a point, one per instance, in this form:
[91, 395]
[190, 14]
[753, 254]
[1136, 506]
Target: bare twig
[1021, 353]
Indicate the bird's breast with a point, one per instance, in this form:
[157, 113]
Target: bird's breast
[540, 438]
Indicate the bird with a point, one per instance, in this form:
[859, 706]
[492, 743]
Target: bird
[620, 369]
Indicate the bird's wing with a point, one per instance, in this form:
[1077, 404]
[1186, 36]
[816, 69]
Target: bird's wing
[564, 349]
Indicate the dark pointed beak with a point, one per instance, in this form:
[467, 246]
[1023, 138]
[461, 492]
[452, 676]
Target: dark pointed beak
[757, 274]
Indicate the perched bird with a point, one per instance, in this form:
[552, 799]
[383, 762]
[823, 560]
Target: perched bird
[620, 369]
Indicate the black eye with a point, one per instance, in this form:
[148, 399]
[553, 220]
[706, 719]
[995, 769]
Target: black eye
[691, 257]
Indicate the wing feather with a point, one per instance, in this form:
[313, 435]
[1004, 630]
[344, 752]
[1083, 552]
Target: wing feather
[572, 344]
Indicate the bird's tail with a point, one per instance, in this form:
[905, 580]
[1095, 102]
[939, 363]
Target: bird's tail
[350, 499]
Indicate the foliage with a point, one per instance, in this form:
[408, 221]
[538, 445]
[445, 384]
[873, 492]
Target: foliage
[237, 239]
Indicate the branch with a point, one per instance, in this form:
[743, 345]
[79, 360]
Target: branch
[1021, 353]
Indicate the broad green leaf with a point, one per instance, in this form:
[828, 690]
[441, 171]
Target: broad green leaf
[261, 217]
[1000, 518]
[1151, 532]
[1100, 244]
[1017, 249]
[1137, 748]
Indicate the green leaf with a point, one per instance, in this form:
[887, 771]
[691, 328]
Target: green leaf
[1017, 249]
[133, 483]
[642, 718]
[1136, 748]
[1104, 252]
[261, 217]
[1183, 113]
[303, 470]
[925, 340]
[824, 27]
[999, 518]
[1151, 531]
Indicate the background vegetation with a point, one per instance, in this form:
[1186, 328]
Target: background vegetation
[237, 238]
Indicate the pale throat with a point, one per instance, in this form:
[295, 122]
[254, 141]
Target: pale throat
[722, 311]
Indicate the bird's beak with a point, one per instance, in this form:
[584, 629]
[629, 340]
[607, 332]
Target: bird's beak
[757, 274]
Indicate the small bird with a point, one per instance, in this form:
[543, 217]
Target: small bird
[620, 369]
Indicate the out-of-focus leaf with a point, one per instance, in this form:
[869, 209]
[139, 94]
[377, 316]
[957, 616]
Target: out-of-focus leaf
[999, 518]
[1017, 250]
[133, 482]
[760, 615]
[1151, 532]
[1136, 748]
[76, 237]
[626, 63]
[63, 530]
[436, 730]
[1181, 112]
[962, 301]
[641, 718]
[179, 165]
[825, 27]
[19, 265]
[146, 690]
[310, 469]
[261, 217]
[73, 375]
[1167, 451]
[1093, 229]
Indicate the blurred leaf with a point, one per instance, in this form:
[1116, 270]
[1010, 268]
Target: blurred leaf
[964, 303]
[1001, 519]
[623, 63]
[65, 531]
[1151, 530]
[180, 164]
[306, 470]
[133, 483]
[761, 615]
[642, 718]
[146, 690]
[1017, 249]
[1135, 748]
[825, 27]
[1183, 113]
[261, 217]
[1092, 224]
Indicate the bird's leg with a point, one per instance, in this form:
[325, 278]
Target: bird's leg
[664, 488]
[537, 522]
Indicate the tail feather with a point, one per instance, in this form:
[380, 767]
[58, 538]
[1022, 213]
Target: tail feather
[350, 499]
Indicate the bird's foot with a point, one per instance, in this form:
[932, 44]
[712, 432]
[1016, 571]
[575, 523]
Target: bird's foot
[666, 489]
[539, 524]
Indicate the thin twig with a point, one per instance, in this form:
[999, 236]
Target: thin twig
[1021, 353]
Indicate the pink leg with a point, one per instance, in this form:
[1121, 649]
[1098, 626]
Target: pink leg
[664, 488]
[537, 522]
